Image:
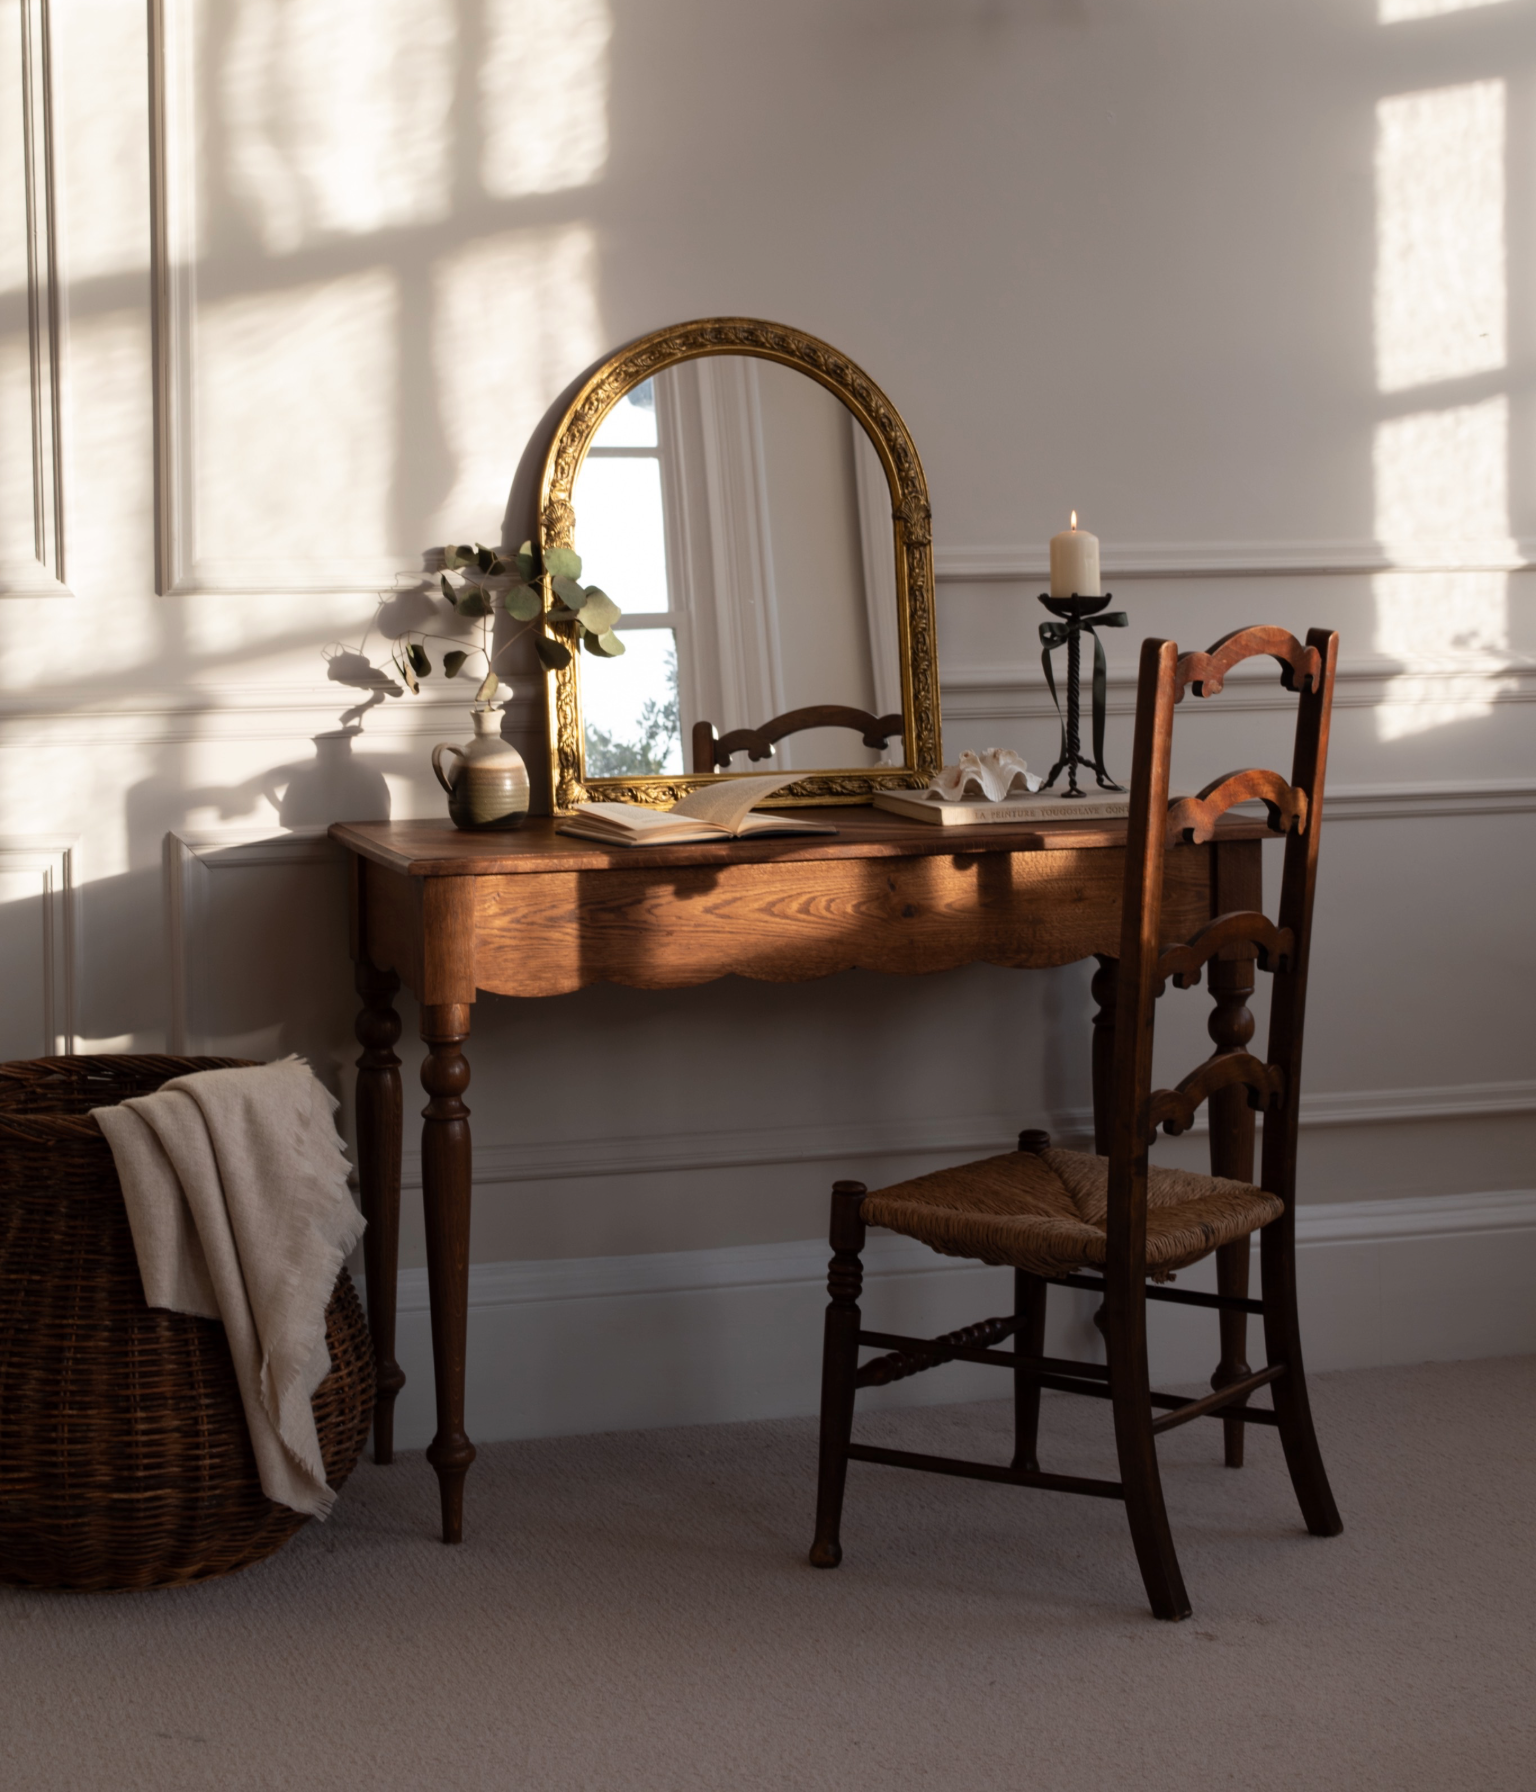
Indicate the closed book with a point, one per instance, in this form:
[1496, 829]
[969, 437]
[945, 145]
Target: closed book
[977, 812]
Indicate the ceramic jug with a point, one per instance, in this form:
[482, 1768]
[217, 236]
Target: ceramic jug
[488, 787]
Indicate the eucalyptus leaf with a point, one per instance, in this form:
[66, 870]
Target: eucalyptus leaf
[420, 664]
[522, 602]
[610, 645]
[453, 663]
[451, 559]
[484, 557]
[404, 668]
[568, 591]
[554, 654]
[465, 552]
[528, 560]
[563, 563]
[449, 591]
[599, 612]
[473, 601]
[489, 685]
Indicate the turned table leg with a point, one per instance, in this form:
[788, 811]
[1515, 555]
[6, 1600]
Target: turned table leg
[1238, 887]
[378, 1176]
[445, 1180]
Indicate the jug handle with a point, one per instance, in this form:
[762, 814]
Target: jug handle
[437, 762]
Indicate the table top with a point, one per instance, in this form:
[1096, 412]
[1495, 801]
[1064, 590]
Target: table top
[438, 849]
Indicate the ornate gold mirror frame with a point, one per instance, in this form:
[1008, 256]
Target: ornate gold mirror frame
[631, 367]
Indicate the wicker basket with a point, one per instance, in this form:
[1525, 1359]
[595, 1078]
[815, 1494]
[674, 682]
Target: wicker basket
[124, 1455]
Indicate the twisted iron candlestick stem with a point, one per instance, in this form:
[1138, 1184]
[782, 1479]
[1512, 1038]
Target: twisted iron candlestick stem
[1077, 615]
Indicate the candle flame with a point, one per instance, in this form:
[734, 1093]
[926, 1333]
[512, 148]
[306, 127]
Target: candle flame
[1074, 519]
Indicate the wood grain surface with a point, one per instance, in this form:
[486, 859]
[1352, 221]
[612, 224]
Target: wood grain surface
[438, 849]
[789, 922]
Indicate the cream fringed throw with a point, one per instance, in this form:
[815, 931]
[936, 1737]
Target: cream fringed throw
[236, 1188]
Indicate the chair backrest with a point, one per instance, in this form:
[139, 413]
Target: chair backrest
[1149, 961]
[710, 754]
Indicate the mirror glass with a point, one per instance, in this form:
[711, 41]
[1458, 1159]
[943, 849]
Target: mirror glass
[739, 516]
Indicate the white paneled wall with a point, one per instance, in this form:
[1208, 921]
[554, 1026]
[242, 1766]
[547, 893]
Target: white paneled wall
[284, 286]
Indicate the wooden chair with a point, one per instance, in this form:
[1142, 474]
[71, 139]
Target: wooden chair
[712, 753]
[1054, 1215]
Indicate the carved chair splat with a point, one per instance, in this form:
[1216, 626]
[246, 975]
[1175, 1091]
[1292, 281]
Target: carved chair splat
[712, 753]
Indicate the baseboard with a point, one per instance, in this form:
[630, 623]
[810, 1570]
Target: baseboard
[700, 1337]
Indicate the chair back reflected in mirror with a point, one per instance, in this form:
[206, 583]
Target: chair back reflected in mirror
[712, 752]
[1109, 1221]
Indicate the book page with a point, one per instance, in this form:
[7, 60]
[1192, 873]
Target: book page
[780, 821]
[727, 803]
[629, 818]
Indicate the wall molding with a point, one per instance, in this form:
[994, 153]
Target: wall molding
[51, 860]
[857, 1142]
[890, 1254]
[1375, 1107]
[1017, 690]
[697, 1337]
[1238, 559]
[41, 573]
[192, 857]
[558, 1160]
[174, 256]
[1447, 796]
[283, 715]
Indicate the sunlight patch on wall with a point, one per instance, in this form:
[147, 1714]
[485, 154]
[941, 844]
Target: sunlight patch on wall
[514, 317]
[1440, 281]
[1442, 475]
[296, 418]
[100, 98]
[544, 95]
[17, 537]
[338, 114]
[1394, 12]
[1442, 485]
[13, 191]
[1442, 494]
[111, 481]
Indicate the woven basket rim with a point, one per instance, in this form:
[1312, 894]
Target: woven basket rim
[21, 1078]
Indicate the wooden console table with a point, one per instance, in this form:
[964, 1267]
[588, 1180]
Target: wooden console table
[536, 913]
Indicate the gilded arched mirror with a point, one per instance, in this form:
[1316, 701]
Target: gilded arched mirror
[754, 505]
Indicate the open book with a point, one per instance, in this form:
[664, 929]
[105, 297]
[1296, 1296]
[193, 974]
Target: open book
[716, 812]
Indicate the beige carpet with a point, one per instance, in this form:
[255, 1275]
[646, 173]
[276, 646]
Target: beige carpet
[635, 1611]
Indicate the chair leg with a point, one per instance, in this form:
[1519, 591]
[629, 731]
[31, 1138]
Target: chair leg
[839, 1369]
[1130, 1392]
[1282, 1340]
[1029, 1295]
[1232, 1278]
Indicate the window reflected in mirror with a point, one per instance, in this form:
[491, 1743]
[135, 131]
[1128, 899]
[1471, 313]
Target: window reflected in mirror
[741, 518]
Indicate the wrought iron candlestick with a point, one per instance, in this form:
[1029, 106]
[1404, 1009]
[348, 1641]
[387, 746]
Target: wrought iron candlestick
[1076, 613]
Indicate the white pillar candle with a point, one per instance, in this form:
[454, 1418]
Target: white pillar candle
[1075, 563]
